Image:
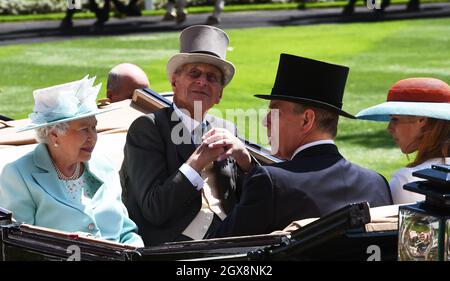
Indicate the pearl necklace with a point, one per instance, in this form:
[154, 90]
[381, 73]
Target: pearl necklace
[75, 175]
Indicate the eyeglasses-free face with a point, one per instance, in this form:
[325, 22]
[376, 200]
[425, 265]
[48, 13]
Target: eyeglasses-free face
[406, 131]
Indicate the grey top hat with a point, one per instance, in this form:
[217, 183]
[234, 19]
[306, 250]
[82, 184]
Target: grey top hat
[203, 44]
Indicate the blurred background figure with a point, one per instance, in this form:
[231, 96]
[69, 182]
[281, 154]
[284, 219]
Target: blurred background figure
[102, 13]
[178, 12]
[123, 79]
[412, 5]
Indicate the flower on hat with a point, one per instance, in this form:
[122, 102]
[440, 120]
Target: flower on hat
[64, 103]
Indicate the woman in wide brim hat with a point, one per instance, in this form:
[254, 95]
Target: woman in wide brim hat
[61, 184]
[418, 111]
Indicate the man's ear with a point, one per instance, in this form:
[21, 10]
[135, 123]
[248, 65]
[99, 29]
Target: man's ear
[309, 117]
[173, 81]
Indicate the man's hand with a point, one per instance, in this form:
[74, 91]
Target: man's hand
[229, 145]
[202, 156]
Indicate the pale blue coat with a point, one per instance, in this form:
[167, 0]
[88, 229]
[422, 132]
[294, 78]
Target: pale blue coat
[30, 188]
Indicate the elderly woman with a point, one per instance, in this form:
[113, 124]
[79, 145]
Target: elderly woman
[62, 184]
[418, 111]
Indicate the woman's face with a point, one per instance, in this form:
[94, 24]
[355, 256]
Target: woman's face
[77, 144]
[406, 131]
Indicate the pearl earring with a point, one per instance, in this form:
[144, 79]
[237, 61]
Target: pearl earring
[55, 145]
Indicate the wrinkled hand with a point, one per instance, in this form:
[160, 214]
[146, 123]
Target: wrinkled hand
[202, 156]
[230, 146]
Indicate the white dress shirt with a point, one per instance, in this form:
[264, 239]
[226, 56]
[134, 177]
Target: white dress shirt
[187, 170]
[206, 185]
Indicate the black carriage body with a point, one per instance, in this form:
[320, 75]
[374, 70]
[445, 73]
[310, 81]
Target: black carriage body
[338, 236]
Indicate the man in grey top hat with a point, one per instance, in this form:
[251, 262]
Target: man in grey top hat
[183, 168]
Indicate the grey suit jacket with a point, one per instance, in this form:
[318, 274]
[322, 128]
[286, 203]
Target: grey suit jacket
[159, 198]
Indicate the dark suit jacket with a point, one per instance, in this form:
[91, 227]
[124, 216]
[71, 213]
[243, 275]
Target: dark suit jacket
[159, 198]
[316, 182]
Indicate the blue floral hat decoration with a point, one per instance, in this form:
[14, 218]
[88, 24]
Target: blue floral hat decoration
[64, 103]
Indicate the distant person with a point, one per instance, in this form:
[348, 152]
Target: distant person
[315, 179]
[418, 111]
[176, 11]
[411, 6]
[61, 184]
[102, 13]
[123, 79]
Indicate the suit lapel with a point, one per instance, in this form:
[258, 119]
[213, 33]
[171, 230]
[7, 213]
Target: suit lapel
[48, 179]
[102, 176]
[186, 147]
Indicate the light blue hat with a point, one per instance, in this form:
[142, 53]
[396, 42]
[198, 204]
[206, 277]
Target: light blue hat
[64, 103]
[428, 97]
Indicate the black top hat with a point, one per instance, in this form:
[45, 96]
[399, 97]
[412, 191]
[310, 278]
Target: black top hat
[310, 82]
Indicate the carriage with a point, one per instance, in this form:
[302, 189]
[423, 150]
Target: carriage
[355, 232]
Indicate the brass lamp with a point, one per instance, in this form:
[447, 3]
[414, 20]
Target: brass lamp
[424, 227]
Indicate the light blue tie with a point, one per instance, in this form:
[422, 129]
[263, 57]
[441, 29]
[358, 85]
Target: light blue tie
[198, 133]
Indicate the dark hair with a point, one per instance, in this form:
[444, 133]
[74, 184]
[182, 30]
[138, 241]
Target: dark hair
[326, 120]
[434, 142]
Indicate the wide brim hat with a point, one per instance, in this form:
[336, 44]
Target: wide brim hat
[310, 82]
[203, 44]
[427, 97]
[64, 103]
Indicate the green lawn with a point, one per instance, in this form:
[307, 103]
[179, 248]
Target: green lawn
[377, 53]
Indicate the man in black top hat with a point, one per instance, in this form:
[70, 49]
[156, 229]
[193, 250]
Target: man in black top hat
[315, 179]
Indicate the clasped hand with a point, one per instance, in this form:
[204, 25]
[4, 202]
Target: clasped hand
[219, 144]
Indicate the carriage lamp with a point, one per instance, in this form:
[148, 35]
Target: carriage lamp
[424, 227]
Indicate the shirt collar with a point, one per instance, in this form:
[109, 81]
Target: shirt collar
[314, 143]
